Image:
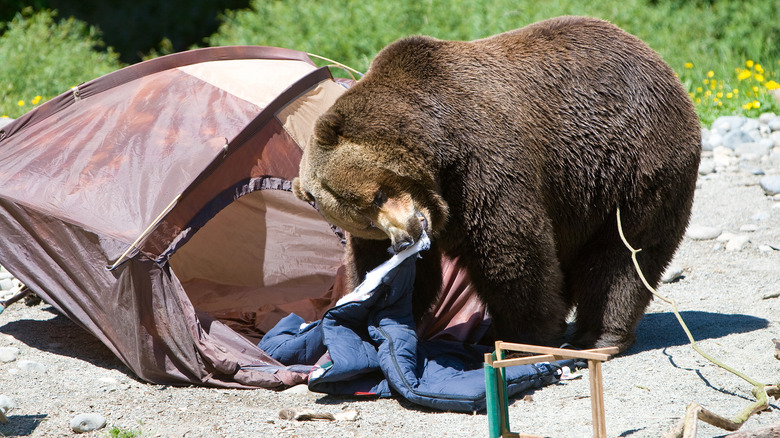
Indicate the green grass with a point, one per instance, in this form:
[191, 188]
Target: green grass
[118, 432]
[717, 36]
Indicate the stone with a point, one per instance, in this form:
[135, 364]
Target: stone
[764, 118]
[760, 216]
[672, 274]
[750, 125]
[6, 404]
[737, 243]
[297, 390]
[748, 228]
[770, 184]
[735, 138]
[6, 284]
[725, 124]
[775, 137]
[706, 167]
[774, 124]
[722, 157]
[700, 232]
[8, 354]
[87, 422]
[752, 170]
[714, 140]
[4, 121]
[31, 366]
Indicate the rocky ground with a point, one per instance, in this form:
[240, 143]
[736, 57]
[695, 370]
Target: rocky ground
[725, 279]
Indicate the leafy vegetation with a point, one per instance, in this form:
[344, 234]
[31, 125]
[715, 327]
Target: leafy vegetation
[41, 58]
[706, 41]
[118, 432]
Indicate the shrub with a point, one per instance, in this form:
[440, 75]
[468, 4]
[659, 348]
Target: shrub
[41, 58]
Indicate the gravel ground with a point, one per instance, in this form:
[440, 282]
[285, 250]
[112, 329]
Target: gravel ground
[729, 299]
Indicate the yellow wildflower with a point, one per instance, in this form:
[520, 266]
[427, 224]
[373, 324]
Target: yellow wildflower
[710, 74]
[719, 94]
[755, 89]
[758, 68]
[36, 100]
[756, 104]
[690, 64]
[744, 74]
[4, 117]
[772, 85]
[705, 82]
[736, 91]
[699, 89]
[729, 95]
[20, 103]
[759, 77]
[749, 64]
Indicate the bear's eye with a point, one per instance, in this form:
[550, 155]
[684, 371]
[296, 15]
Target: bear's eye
[380, 198]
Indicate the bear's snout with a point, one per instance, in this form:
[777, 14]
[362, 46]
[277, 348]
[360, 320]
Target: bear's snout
[404, 237]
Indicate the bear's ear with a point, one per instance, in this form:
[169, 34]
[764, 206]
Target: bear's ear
[328, 129]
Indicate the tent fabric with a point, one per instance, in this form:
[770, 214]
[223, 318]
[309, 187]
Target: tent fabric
[369, 345]
[128, 169]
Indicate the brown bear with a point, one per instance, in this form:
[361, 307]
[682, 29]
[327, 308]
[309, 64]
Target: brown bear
[513, 153]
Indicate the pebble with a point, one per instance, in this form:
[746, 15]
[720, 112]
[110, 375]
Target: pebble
[725, 124]
[735, 138]
[32, 366]
[753, 150]
[722, 157]
[748, 228]
[774, 124]
[6, 404]
[700, 232]
[765, 118]
[725, 237]
[760, 216]
[297, 390]
[87, 422]
[8, 354]
[737, 243]
[108, 381]
[770, 184]
[672, 274]
[706, 167]
[6, 284]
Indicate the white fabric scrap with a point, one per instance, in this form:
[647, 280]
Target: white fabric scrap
[374, 278]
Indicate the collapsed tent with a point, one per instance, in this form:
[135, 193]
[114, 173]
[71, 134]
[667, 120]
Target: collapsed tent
[152, 206]
[144, 202]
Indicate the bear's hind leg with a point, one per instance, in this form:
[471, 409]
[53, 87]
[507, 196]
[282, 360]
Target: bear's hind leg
[609, 295]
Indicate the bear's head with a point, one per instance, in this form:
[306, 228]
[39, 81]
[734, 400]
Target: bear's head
[368, 177]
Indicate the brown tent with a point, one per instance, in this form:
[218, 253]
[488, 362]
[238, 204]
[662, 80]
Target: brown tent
[152, 206]
[144, 202]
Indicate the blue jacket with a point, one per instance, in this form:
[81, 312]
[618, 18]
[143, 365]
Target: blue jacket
[371, 347]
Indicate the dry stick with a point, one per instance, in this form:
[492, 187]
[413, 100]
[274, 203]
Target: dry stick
[695, 410]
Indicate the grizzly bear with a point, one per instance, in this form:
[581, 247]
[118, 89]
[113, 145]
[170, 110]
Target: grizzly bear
[513, 153]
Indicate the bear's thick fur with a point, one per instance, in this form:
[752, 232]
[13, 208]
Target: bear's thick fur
[513, 152]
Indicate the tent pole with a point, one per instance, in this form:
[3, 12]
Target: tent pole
[145, 233]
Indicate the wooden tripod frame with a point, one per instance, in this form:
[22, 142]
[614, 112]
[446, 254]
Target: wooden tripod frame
[495, 382]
